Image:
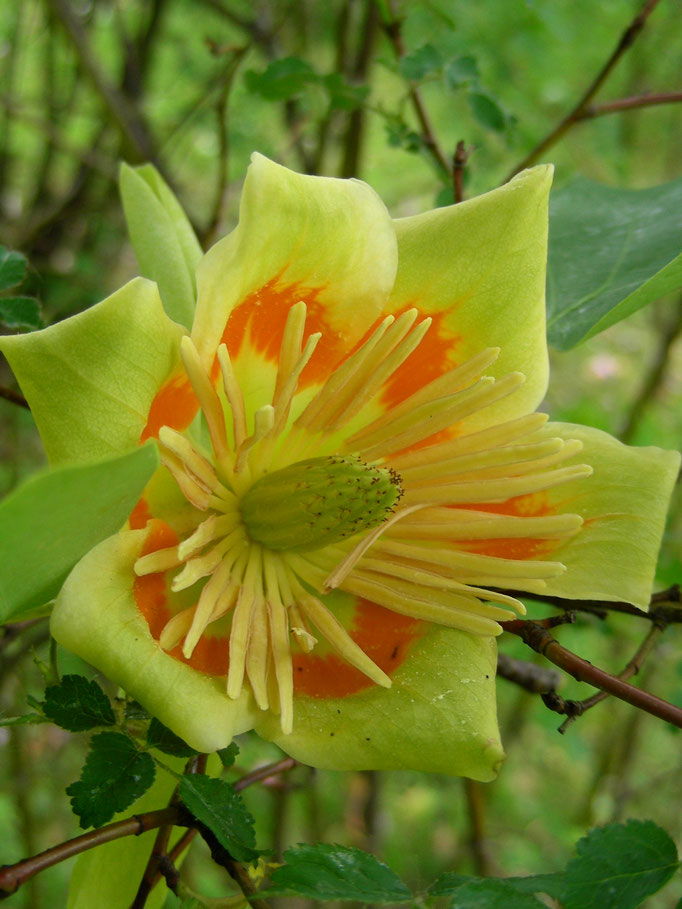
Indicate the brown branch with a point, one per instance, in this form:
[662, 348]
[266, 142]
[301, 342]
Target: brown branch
[655, 375]
[122, 113]
[665, 606]
[50, 131]
[262, 773]
[222, 117]
[536, 679]
[622, 104]
[13, 397]
[353, 139]
[459, 162]
[13, 876]
[627, 39]
[393, 28]
[159, 863]
[539, 639]
[574, 709]
[478, 843]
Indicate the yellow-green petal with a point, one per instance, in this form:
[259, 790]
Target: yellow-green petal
[624, 505]
[96, 617]
[325, 241]
[478, 268]
[165, 244]
[439, 716]
[90, 379]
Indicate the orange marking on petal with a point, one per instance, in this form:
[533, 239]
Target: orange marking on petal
[175, 405]
[521, 549]
[432, 358]
[140, 516]
[385, 637]
[530, 505]
[211, 655]
[260, 319]
[152, 591]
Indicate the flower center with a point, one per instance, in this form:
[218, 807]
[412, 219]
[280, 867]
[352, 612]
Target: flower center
[316, 502]
[295, 506]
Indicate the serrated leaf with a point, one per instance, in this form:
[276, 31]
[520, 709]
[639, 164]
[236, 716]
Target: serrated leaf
[282, 79]
[400, 135]
[22, 313]
[450, 883]
[551, 884]
[461, 71]
[158, 736]
[343, 95]
[135, 713]
[331, 872]
[229, 755]
[618, 866]
[78, 704]
[13, 268]
[115, 775]
[487, 111]
[420, 63]
[216, 804]
[611, 251]
[54, 518]
[492, 893]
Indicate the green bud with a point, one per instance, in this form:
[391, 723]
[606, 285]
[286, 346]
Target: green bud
[313, 503]
[166, 247]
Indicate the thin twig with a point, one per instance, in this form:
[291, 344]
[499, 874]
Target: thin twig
[665, 606]
[477, 839]
[50, 131]
[13, 876]
[627, 39]
[222, 117]
[574, 709]
[622, 104]
[353, 139]
[539, 639]
[536, 679]
[393, 28]
[255, 776]
[655, 375]
[159, 863]
[122, 113]
[459, 163]
[262, 773]
[13, 397]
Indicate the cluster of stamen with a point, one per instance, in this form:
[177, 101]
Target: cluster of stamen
[405, 558]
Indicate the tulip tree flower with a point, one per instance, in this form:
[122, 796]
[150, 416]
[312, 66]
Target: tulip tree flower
[353, 470]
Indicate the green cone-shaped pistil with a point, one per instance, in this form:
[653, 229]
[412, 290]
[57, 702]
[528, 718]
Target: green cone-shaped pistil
[317, 502]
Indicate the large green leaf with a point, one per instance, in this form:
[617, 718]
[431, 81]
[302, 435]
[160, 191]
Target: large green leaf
[219, 806]
[54, 518]
[13, 267]
[116, 774]
[331, 872]
[618, 866]
[77, 704]
[611, 251]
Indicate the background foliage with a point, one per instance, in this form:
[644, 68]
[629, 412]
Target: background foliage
[195, 87]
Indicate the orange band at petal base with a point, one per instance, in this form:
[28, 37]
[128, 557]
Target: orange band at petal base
[385, 636]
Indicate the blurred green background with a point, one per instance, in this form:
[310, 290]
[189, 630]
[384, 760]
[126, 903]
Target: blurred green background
[196, 87]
